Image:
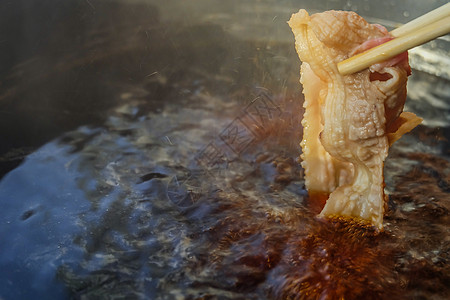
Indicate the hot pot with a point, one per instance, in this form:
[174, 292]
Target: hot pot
[150, 150]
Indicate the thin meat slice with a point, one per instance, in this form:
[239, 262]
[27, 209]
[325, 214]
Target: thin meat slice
[349, 121]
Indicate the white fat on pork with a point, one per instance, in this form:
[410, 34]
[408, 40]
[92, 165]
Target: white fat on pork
[349, 121]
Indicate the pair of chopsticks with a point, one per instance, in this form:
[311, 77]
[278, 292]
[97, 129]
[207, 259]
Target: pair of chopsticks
[417, 32]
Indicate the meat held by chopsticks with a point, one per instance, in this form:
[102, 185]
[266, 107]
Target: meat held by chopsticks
[349, 121]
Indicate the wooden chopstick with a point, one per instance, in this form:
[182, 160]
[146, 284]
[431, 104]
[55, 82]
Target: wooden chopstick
[419, 22]
[417, 32]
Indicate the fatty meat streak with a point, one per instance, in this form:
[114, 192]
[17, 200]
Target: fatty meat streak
[349, 121]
